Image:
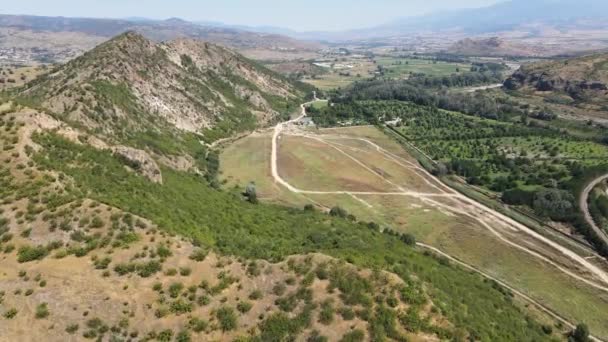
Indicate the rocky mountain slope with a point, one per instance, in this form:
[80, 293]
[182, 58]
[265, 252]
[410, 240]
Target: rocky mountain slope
[131, 84]
[581, 81]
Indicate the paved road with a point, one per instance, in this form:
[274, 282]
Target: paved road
[584, 204]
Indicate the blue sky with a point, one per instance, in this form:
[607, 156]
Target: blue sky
[295, 14]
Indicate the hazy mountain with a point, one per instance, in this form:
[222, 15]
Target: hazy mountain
[66, 37]
[531, 16]
[510, 15]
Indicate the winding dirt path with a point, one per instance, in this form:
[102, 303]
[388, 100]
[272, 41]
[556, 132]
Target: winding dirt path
[584, 205]
[540, 306]
[467, 207]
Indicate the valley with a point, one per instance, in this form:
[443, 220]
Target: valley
[437, 175]
[370, 176]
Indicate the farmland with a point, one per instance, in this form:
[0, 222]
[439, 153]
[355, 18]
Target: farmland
[343, 71]
[329, 166]
[402, 67]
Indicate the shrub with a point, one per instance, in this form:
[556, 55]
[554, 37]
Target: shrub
[326, 315]
[185, 271]
[183, 336]
[338, 212]
[72, 328]
[10, 313]
[244, 307]
[42, 311]
[180, 307]
[198, 255]
[255, 295]
[165, 336]
[353, 336]
[347, 313]
[175, 289]
[279, 289]
[227, 318]
[29, 253]
[96, 222]
[163, 251]
[197, 324]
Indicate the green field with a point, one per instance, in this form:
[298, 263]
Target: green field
[402, 67]
[186, 205]
[457, 235]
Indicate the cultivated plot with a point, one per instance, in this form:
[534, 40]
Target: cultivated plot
[372, 177]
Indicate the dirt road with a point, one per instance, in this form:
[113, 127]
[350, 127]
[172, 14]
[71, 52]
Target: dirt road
[540, 306]
[460, 205]
[584, 205]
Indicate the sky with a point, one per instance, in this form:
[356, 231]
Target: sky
[301, 15]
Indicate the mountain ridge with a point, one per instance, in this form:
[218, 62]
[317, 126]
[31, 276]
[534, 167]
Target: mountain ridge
[130, 82]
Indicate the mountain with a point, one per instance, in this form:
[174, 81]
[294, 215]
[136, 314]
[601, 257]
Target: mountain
[545, 27]
[582, 81]
[511, 15]
[65, 38]
[493, 46]
[131, 84]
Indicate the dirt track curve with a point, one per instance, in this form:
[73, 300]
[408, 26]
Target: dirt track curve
[460, 205]
[584, 205]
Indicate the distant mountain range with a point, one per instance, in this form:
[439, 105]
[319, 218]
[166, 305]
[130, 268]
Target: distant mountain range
[60, 38]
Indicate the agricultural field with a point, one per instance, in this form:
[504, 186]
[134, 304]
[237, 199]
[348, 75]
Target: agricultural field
[371, 177]
[402, 67]
[342, 72]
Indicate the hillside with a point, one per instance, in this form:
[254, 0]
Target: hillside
[493, 46]
[94, 250]
[131, 84]
[581, 81]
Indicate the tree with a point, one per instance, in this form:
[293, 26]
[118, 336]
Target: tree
[554, 203]
[251, 193]
[338, 212]
[580, 334]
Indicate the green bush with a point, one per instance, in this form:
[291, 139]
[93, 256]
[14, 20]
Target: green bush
[31, 253]
[326, 315]
[227, 318]
[198, 325]
[42, 311]
[244, 307]
[353, 336]
[10, 313]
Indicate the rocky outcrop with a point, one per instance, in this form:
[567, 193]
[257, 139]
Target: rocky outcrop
[139, 161]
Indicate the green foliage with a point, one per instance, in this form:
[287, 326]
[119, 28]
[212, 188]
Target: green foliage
[10, 313]
[326, 315]
[227, 318]
[580, 334]
[198, 325]
[199, 255]
[278, 327]
[353, 336]
[72, 328]
[42, 311]
[555, 204]
[244, 307]
[185, 205]
[31, 253]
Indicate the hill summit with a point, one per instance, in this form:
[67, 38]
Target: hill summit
[132, 83]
